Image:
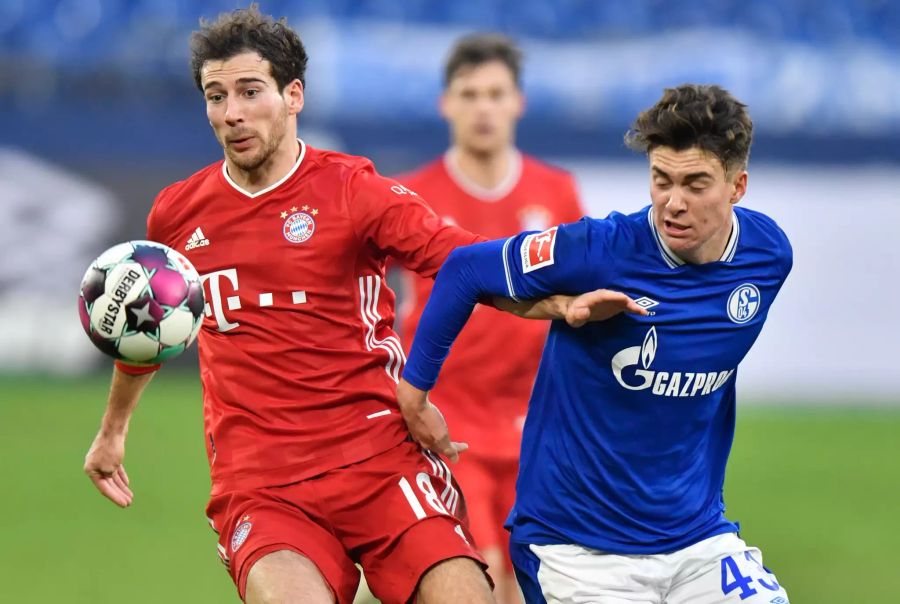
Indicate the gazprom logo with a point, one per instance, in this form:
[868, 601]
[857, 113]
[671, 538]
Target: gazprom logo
[648, 348]
[637, 360]
[743, 303]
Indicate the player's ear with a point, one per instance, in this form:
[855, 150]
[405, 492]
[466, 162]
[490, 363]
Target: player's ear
[739, 184]
[523, 103]
[293, 96]
[443, 102]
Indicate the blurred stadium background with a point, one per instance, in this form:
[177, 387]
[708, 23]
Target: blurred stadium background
[99, 113]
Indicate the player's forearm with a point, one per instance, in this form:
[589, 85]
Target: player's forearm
[124, 393]
[410, 399]
[552, 307]
[469, 274]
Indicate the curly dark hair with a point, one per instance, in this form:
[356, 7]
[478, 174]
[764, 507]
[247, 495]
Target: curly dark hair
[694, 115]
[247, 29]
[476, 49]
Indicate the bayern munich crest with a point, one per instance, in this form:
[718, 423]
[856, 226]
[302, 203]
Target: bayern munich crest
[299, 226]
[240, 534]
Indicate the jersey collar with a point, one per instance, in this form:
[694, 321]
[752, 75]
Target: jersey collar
[272, 186]
[672, 259]
[503, 188]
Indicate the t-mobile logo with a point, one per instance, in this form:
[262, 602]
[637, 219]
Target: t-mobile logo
[218, 302]
[215, 296]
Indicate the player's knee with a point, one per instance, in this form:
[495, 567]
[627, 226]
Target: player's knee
[454, 580]
[286, 576]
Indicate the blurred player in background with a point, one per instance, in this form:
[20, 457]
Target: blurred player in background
[313, 469]
[487, 186]
[629, 428]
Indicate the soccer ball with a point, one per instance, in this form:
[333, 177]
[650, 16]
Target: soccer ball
[141, 302]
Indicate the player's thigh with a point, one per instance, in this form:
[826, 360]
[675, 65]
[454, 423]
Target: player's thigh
[571, 574]
[506, 588]
[402, 513]
[735, 573]
[286, 576]
[452, 581]
[254, 524]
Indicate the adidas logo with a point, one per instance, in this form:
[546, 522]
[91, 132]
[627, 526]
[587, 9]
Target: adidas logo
[197, 240]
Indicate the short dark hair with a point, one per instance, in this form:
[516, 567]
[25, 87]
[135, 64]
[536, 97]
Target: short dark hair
[694, 115]
[476, 49]
[246, 29]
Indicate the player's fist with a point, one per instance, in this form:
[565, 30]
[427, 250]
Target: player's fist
[425, 422]
[103, 465]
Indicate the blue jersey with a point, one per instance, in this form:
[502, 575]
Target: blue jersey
[632, 419]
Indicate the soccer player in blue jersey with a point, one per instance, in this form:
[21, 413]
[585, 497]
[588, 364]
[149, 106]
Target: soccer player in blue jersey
[619, 495]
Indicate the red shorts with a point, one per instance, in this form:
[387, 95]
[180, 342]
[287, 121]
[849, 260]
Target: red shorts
[490, 487]
[397, 514]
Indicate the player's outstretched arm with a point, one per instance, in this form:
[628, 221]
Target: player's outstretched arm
[425, 422]
[489, 270]
[103, 462]
[597, 305]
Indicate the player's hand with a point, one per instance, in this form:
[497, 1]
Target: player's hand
[599, 305]
[425, 422]
[103, 465]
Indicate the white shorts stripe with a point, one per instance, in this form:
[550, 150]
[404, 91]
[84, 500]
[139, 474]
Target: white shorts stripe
[449, 496]
[434, 469]
[438, 466]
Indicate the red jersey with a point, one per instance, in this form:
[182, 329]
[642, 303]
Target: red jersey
[486, 381]
[298, 358]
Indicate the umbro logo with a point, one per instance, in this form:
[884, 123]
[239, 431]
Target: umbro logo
[646, 302]
[197, 239]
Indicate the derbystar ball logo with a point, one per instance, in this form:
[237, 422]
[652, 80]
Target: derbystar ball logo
[631, 367]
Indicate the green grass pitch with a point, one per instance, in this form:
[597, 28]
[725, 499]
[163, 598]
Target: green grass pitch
[817, 489]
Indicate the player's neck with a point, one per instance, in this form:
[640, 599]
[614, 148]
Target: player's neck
[712, 250]
[486, 170]
[270, 172]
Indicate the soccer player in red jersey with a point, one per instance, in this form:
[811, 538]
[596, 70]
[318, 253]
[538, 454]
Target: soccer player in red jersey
[484, 184]
[312, 465]
[313, 468]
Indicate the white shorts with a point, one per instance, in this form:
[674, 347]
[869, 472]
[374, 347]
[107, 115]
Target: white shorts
[721, 569]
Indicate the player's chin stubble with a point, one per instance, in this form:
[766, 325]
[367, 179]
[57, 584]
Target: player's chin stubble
[269, 146]
[249, 164]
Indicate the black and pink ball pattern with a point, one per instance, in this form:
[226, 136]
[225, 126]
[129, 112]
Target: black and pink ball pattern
[141, 302]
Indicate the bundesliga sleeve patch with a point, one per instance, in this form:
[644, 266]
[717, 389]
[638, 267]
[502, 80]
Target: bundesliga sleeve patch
[537, 250]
